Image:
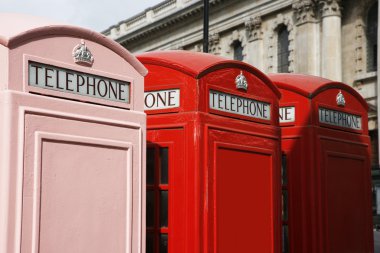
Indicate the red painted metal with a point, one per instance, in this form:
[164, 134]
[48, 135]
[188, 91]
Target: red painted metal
[329, 177]
[224, 168]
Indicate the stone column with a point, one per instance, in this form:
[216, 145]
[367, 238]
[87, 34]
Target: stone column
[378, 87]
[331, 39]
[307, 42]
[255, 44]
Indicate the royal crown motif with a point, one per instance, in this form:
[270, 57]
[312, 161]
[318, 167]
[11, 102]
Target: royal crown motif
[340, 101]
[82, 54]
[241, 82]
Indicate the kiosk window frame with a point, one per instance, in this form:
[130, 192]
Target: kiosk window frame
[157, 208]
[285, 203]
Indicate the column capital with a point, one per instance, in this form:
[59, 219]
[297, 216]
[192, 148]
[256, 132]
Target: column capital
[305, 11]
[331, 7]
[253, 28]
[214, 43]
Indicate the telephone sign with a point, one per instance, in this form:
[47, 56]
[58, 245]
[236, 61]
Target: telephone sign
[161, 99]
[70, 81]
[341, 119]
[238, 105]
[287, 114]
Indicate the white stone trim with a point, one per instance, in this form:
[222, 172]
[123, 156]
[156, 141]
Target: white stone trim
[360, 46]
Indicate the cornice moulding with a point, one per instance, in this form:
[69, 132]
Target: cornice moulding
[224, 23]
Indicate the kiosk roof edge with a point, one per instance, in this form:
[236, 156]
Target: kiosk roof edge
[197, 65]
[26, 27]
[310, 86]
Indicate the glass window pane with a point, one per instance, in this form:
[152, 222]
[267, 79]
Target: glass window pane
[150, 166]
[238, 51]
[149, 243]
[285, 239]
[163, 243]
[164, 208]
[283, 50]
[284, 205]
[150, 208]
[164, 165]
[284, 172]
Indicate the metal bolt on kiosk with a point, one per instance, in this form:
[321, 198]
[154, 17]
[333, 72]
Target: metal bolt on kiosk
[72, 136]
[326, 177]
[213, 155]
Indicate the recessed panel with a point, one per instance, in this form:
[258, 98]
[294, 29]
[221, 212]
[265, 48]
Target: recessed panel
[346, 207]
[80, 186]
[243, 201]
[83, 198]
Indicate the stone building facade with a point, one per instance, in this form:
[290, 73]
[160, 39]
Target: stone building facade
[336, 39]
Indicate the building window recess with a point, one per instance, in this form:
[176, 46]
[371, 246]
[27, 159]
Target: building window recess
[283, 50]
[285, 205]
[238, 50]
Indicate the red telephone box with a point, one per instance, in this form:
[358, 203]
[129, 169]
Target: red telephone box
[213, 155]
[326, 179]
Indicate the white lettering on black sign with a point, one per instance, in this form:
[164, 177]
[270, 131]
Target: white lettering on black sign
[163, 99]
[239, 105]
[64, 80]
[341, 119]
[287, 114]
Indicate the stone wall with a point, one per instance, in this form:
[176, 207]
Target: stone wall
[326, 37]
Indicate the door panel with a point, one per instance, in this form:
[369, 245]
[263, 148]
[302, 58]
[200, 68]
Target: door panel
[244, 192]
[346, 196]
[78, 183]
[346, 203]
[82, 197]
[243, 201]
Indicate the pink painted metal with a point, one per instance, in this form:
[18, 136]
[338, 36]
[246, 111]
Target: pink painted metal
[71, 166]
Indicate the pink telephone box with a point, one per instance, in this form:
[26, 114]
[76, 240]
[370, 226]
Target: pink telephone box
[72, 136]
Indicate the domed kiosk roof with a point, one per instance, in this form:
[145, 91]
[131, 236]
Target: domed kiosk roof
[197, 64]
[17, 29]
[310, 86]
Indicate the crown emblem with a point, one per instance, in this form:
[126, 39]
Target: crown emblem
[241, 82]
[82, 54]
[340, 100]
